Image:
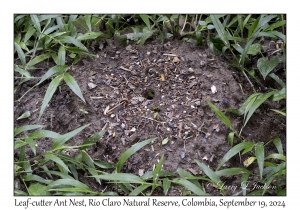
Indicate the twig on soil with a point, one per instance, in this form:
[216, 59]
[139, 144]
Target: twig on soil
[94, 97]
[123, 68]
[171, 55]
[154, 120]
[116, 106]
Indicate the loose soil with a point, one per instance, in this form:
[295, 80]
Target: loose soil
[155, 90]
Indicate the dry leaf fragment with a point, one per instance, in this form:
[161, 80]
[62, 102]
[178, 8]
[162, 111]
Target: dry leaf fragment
[92, 85]
[216, 126]
[176, 60]
[193, 171]
[141, 172]
[162, 77]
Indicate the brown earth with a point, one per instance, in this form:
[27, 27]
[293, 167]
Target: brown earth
[154, 90]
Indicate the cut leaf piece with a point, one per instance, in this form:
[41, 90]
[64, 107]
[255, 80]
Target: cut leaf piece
[24, 115]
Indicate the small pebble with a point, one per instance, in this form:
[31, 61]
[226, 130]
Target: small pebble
[182, 155]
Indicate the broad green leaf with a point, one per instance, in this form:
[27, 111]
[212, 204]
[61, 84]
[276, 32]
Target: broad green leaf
[60, 23]
[220, 115]
[265, 66]
[139, 189]
[133, 149]
[259, 100]
[165, 141]
[70, 182]
[231, 171]
[57, 160]
[79, 51]
[24, 47]
[49, 93]
[166, 185]
[37, 190]
[45, 17]
[249, 100]
[36, 22]
[145, 18]
[38, 59]
[21, 54]
[43, 133]
[36, 178]
[22, 71]
[212, 175]
[278, 34]
[94, 173]
[61, 57]
[254, 49]
[24, 115]
[249, 43]
[74, 189]
[72, 160]
[73, 170]
[276, 156]
[249, 161]
[87, 159]
[260, 156]
[90, 35]
[71, 40]
[46, 170]
[198, 38]
[122, 178]
[63, 138]
[278, 144]
[233, 151]
[71, 82]
[54, 70]
[26, 128]
[92, 140]
[31, 144]
[230, 138]
[104, 164]
[190, 186]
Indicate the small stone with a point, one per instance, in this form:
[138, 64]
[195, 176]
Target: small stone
[182, 155]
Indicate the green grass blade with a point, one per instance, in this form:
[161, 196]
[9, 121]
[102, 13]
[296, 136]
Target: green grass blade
[233, 151]
[44, 133]
[259, 100]
[21, 54]
[88, 21]
[71, 40]
[37, 190]
[71, 82]
[87, 159]
[277, 79]
[26, 128]
[220, 115]
[30, 31]
[36, 22]
[19, 143]
[61, 57]
[244, 181]
[20, 193]
[130, 152]
[36, 178]
[122, 178]
[63, 138]
[61, 175]
[190, 186]
[275, 25]
[145, 18]
[157, 171]
[49, 93]
[231, 171]
[186, 175]
[242, 109]
[57, 160]
[260, 156]
[220, 29]
[276, 156]
[149, 175]
[73, 170]
[212, 175]
[38, 59]
[230, 138]
[166, 185]
[54, 70]
[139, 189]
[24, 115]
[278, 144]
[22, 71]
[92, 140]
[104, 165]
[67, 182]
[31, 144]
[91, 35]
